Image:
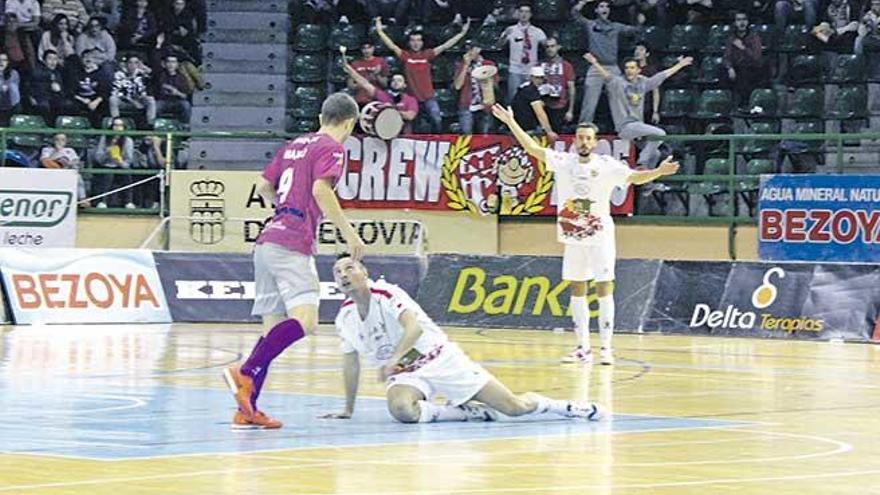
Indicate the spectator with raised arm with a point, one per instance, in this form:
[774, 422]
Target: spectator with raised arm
[529, 107]
[417, 68]
[627, 101]
[374, 69]
[471, 106]
[523, 40]
[744, 59]
[560, 86]
[604, 41]
[395, 95]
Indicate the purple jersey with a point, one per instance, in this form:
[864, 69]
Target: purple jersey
[294, 169]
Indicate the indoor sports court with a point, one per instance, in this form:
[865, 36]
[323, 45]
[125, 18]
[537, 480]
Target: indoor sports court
[143, 409]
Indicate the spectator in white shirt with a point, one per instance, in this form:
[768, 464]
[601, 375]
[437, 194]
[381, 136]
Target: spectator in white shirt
[524, 41]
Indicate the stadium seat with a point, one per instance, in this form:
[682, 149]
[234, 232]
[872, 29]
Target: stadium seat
[683, 78]
[303, 125]
[310, 37]
[167, 125]
[686, 38]
[306, 101]
[74, 122]
[655, 37]
[394, 64]
[763, 102]
[22, 122]
[804, 69]
[748, 187]
[795, 39]
[446, 32]
[347, 35]
[308, 68]
[806, 102]
[488, 37]
[337, 73]
[572, 38]
[760, 147]
[129, 123]
[713, 104]
[713, 166]
[716, 40]
[447, 99]
[677, 103]
[848, 68]
[810, 127]
[550, 10]
[767, 32]
[443, 70]
[850, 102]
[712, 71]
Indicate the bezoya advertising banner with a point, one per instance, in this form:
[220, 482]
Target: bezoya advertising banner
[819, 218]
[37, 208]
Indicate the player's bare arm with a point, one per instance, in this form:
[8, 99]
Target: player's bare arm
[668, 167]
[351, 373]
[326, 198]
[411, 333]
[528, 143]
[266, 190]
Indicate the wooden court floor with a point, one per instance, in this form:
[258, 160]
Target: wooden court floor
[142, 410]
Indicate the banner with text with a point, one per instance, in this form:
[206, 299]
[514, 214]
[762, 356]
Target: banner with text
[57, 285]
[819, 218]
[37, 207]
[481, 173]
[217, 287]
[523, 291]
[800, 300]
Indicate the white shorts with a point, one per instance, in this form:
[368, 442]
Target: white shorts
[589, 262]
[452, 374]
[283, 279]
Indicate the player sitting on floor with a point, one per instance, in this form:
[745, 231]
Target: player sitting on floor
[380, 322]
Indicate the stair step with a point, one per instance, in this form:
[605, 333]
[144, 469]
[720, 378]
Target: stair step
[196, 163]
[239, 98]
[246, 67]
[233, 150]
[243, 6]
[244, 51]
[248, 20]
[232, 81]
[246, 36]
[241, 118]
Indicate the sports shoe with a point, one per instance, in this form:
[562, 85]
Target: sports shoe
[590, 412]
[579, 355]
[242, 387]
[259, 421]
[606, 356]
[478, 412]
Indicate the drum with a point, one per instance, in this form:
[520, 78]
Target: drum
[485, 74]
[381, 120]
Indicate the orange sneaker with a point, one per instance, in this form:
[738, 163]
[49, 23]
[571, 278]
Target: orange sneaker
[259, 422]
[242, 386]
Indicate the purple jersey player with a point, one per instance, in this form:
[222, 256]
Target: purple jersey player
[299, 181]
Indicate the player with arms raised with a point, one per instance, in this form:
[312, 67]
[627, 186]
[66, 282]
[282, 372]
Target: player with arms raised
[584, 183]
[379, 322]
[299, 182]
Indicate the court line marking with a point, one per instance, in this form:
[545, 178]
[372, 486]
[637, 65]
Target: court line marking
[135, 403]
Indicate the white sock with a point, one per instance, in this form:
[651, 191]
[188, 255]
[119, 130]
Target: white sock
[548, 405]
[606, 320]
[580, 313]
[430, 413]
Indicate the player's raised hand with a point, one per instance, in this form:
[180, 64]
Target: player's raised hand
[342, 415]
[356, 247]
[669, 166]
[504, 114]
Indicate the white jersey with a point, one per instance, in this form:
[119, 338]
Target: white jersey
[584, 194]
[375, 338]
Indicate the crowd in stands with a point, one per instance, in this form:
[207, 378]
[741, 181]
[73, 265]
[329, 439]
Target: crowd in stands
[101, 64]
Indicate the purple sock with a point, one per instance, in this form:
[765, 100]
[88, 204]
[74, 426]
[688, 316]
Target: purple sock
[282, 336]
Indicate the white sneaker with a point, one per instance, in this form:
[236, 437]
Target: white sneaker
[478, 412]
[606, 356]
[101, 205]
[579, 355]
[130, 206]
[590, 412]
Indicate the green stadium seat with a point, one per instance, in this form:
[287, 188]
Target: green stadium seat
[19, 123]
[488, 36]
[806, 102]
[686, 38]
[347, 35]
[713, 104]
[447, 99]
[448, 31]
[129, 123]
[810, 127]
[712, 71]
[167, 125]
[303, 125]
[337, 73]
[550, 10]
[804, 69]
[443, 70]
[74, 122]
[713, 166]
[677, 103]
[684, 77]
[306, 101]
[655, 37]
[308, 68]
[716, 40]
[760, 147]
[767, 32]
[764, 99]
[310, 37]
[848, 68]
[572, 38]
[748, 187]
[795, 39]
[850, 102]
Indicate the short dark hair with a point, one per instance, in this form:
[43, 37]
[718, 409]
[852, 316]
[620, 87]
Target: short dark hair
[48, 52]
[630, 59]
[523, 3]
[338, 108]
[588, 125]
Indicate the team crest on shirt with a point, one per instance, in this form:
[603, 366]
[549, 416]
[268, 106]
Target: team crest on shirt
[577, 221]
